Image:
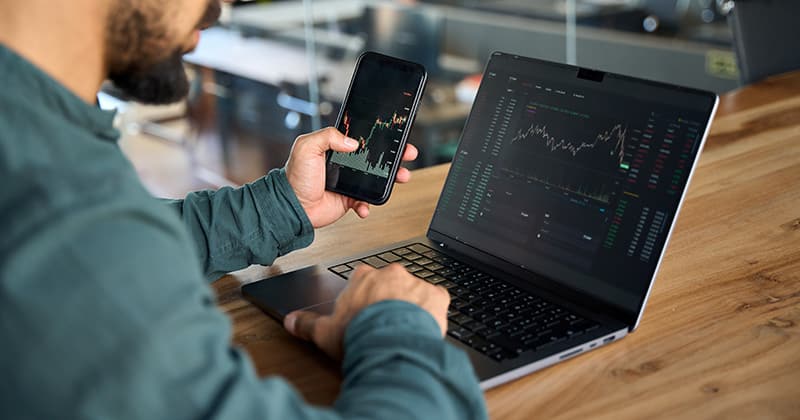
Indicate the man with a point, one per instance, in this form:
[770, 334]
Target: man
[103, 309]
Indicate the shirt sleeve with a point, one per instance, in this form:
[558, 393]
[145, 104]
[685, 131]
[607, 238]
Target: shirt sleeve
[236, 227]
[99, 327]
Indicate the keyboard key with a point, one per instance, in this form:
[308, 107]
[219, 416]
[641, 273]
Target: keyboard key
[458, 291]
[487, 348]
[441, 259]
[474, 326]
[492, 294]
[346, 274]
[420, 248]
[510, 330]
[402, 251]
[460, 333]
[434, 266]
[431, 254]
[481, 288]
[375, 262]
[504, 300]
[482, 303]
[510, 316]
[508, 343]
[435, 279]
[390, 257]
[527, 337]
[470, 296]
[537, 341]
[423, 274]
[497, 310]
[514, 293]
[550, 340]
[460, 319]
[483, 317]
[340, 268]
[447, 284]
[479, 344]
[495, 323]
[412, 256]
[458, 303]
[413, 268]
[572, 332]
[354, 264]
[582, 325]
[445, 272]
[469, 310]
[494, 350]
[424, 261]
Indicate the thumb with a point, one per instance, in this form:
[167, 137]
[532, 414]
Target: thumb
[301, 324]
[331, 139]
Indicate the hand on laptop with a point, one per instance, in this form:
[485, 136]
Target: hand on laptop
[306, 173]
[365, 287]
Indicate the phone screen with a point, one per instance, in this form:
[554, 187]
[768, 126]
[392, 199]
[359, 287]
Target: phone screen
[377, 112]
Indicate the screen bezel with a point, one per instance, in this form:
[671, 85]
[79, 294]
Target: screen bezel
[630, 316]
[379, 191]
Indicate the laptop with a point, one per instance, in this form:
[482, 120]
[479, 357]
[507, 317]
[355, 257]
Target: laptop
[553, 220]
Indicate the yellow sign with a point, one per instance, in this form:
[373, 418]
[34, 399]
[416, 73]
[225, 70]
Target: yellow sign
[722, 64]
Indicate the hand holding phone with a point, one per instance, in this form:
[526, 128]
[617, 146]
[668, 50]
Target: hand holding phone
[378, 112]
[305, 171]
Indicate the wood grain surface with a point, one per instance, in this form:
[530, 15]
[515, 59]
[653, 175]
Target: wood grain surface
[720, 337]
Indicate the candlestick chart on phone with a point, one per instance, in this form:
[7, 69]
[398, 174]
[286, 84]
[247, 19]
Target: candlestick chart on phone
[378, 128]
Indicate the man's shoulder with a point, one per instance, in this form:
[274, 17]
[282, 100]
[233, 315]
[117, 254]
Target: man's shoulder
[56, 175]
[33, 136]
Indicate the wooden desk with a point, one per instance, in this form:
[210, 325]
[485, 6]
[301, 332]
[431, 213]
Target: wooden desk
[721, 335]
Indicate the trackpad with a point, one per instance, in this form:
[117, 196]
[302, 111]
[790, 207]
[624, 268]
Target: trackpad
[313, 288]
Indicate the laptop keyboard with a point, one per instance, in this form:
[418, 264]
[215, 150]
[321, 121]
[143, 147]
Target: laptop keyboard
[487, 314]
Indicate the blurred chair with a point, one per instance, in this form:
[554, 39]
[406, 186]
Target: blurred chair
[765, 34]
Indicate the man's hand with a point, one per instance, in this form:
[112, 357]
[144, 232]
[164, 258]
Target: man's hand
[306, 173]
[365, 287]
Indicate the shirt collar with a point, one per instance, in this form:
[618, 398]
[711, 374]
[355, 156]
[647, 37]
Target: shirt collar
[39, 89]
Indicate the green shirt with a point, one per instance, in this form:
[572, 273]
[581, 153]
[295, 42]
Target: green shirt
[104, 310]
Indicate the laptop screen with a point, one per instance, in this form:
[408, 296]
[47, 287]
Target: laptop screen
[573, 174]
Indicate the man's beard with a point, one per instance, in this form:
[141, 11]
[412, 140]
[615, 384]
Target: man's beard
[136, 32]
[162, 83]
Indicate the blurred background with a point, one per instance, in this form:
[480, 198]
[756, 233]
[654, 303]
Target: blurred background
[272, 70]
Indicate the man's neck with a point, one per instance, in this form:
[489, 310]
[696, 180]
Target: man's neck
[65, 39]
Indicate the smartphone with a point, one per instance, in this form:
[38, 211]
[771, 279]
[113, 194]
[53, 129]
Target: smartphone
[378, 112]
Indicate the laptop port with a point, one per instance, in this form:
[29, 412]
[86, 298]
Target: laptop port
[608, 339]
[570, 354]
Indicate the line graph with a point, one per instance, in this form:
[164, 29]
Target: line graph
[375, 153]
[615, 137]
[570, 152]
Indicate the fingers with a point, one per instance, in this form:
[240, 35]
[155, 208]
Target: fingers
[326, 139]
[322, 330]
[410, 153]
[301, 324]
[362, 209]
[360, 271]
[403, 176]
